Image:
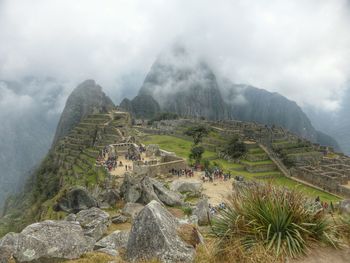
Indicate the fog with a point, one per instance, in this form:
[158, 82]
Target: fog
[299, 48]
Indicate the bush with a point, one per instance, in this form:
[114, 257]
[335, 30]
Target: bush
[279, 220]
[235, 148]
[196, 154]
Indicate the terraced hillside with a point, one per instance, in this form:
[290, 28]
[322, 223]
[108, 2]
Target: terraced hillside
[71, 162]
[255, 165]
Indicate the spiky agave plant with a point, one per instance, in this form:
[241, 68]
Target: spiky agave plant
[283, 221]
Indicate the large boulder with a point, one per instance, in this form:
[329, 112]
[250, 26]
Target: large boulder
[154, 235]
[187, 186]
[109, 198]
[154, 190]
[94, 221]
[131, 189]
[202, 212]
[132, 209]
[47, 241]
[75, 200]
[145, 189]
[118, 239]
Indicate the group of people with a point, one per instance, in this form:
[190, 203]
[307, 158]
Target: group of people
[182, 172]
[216, 174]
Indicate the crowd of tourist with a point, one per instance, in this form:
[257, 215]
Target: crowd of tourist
[215, 174]
[182, 172]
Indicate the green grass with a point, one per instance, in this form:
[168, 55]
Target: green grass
[182, 148]
[257, 162]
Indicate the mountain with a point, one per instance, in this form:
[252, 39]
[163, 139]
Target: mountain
[143, 106]
[183, 84]
[29, 112]
[86, 99]
[86, 124]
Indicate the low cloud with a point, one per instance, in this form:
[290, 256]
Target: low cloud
[300, 48]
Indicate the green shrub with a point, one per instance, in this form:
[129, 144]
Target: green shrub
[282, 221]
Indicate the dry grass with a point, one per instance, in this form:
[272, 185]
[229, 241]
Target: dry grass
[207, 253]
[189, 234]
[96, 257]
[114, 227]
[177, 212]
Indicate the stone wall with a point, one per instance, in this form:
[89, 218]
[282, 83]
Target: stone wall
[161, 168]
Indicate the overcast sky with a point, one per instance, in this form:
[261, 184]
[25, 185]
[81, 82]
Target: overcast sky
[300, 48]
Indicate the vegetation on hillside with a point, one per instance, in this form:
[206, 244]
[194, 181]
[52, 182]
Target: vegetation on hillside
[235, 148]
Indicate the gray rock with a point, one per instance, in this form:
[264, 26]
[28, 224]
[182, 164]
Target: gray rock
[109, 198]
[109, 251]
[154, 235]
[75, 200]
[131, 189]
[71, 217]
[119, 219]
[143, 190]
[345, 206]
[132, 209]
[202, 212]
[48, 240]
[118, 239]
[154, 190]
[94, 221]
[184, 186]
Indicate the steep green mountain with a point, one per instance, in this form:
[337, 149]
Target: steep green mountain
[71, 160]
[186, 85]
[86, 99]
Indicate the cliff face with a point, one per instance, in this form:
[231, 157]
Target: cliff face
[86, 99]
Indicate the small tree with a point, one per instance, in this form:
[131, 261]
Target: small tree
[196, 154]
[235, 148]
[197, 133]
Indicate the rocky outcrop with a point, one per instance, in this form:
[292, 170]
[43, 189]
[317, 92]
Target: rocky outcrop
[108, 198]
[185, 186]
[118, 239]
[132, 209]
[154, 235]
[87, 98]
[131, 188]
[75, 200]
[119, 219]
[202, 212]
[94, 222]
[145, 189]
[46, 241]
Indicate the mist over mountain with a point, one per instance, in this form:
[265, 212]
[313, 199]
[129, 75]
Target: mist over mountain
[29, 112]
[182, 83]
[335, 123]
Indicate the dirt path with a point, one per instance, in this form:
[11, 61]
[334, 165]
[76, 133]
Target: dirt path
[216, 192]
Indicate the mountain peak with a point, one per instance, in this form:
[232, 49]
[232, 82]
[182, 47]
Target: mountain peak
[87, 98]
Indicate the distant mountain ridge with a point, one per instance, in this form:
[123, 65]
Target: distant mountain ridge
[182, 84]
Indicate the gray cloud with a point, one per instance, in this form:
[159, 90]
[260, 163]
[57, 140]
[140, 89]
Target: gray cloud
[299, 48]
